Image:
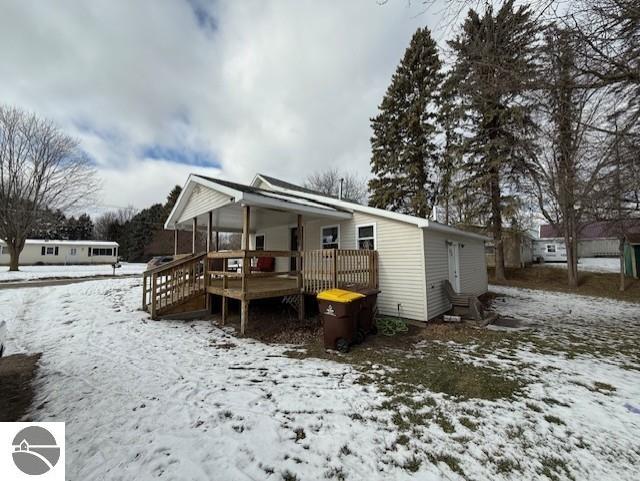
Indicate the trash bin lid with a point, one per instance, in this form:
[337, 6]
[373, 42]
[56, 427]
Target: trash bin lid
[366, 291]
[339, 295]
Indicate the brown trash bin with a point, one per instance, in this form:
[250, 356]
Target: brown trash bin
[339, 310]
[368, 310]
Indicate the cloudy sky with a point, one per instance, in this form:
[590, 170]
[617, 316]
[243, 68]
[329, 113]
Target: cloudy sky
[157, 89]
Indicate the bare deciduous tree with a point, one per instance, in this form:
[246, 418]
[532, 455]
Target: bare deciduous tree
[328, 182]
[103, 226]
[40, 168]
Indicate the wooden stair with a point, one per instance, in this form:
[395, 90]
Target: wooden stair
[171, 285]
[469, 304]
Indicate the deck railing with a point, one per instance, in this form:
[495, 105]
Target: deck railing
[331, 268]
[317, 270]
[173, 283]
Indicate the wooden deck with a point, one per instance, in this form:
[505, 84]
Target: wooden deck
[255, 288]
[208, 274]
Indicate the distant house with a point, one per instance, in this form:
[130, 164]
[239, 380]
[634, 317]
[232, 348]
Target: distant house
[632, 255]
[595, 239]
[38, 251]
[518, 246]
[549, 250]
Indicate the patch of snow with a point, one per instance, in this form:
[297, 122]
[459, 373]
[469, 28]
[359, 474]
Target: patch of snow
[590, 264]
[69, 271]
[186, 400]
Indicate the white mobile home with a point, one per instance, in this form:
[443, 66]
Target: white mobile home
[337, 242]
[38, 251]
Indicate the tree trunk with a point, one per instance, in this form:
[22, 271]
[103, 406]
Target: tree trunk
[496, 226]
[14, 256]
[622, 280]
[571, 245]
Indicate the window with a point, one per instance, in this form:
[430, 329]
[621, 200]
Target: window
[3, 250]
[99, 251]
[260, 242]
[366, 236]
[49, 251]
[489, 249]
[330, 237]
[72, 251]
[551, 248]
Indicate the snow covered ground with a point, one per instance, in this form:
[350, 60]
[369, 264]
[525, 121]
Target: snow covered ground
[178, 400]
[44, 272]
[590, 264]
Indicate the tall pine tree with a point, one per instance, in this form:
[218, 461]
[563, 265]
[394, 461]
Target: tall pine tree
[495, 73]
[404, 151]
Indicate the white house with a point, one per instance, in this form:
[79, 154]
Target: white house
[550, 250]
[414, 256]
[38, 251]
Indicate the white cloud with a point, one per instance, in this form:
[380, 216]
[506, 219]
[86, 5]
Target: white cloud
[283, 87]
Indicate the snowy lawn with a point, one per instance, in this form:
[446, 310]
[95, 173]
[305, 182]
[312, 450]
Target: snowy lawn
[185, 400]
[590, 264]
[49, 272]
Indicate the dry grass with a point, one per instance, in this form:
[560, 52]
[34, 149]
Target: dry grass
[598, 284]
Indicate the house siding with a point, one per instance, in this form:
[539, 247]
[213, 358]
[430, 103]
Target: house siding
[202, 200]
[473, 269]
[400, 258]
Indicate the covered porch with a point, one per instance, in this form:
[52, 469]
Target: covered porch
[239, 273]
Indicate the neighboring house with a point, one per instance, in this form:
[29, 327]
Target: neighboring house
[408, 258]
[632, 255]
[518, 246]
[38, 251]
[596, 239]
[549, 250]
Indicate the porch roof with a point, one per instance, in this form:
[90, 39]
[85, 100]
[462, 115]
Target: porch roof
[271, 208]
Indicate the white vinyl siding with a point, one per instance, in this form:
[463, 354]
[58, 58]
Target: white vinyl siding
[473, 269]
[202, 200]
[400, 261]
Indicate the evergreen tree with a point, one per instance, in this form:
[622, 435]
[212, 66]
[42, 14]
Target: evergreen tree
[404, 151]
[495, 72]
[172, 198]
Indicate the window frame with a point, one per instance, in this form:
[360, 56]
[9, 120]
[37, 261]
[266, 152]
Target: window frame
[322, 228]
[374, 238]
[264, 242]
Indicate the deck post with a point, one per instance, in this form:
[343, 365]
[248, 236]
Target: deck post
[209, 230]
[144, 292]
[194, 234]
[224, 287]
[300, 268]
[244, 306]
[154, 283]
[175, 241]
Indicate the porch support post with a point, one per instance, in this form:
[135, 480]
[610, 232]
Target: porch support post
[300, 268]
[175, 241]
[209, 230]
[194, 233]
[244, 307]
[218, 242]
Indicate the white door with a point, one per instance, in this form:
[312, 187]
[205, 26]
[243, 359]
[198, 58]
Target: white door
[454, 265]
